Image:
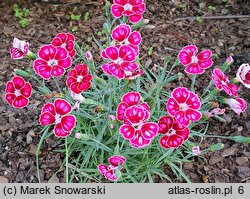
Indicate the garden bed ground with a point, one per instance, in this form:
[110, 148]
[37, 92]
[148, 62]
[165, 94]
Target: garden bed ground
[19, 128]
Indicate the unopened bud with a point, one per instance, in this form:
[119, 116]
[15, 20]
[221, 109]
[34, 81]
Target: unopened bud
[216, 147]
[22, 73]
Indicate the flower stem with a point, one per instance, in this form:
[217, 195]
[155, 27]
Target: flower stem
[67, 160]
[193, 83]
[38, 151]
[57, 85]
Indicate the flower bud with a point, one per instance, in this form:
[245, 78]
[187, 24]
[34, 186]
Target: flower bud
[241, 139]
[88, 55]
[22, 73]
[216, 147]
[112, 117]
[78, 136]
[229, 60]
[196, 150]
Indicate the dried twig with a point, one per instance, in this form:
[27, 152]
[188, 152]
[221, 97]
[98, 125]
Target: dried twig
[214, 17]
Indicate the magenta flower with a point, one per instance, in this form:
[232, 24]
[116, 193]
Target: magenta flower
[174, 133]
[79, 79]
[122, 34]
[238, 105]
[221, 82]
[52, 61]
[58, 113]
[122, 64]
[109, 171]
[20, 49]
[184, 105]
[133, 9]
[66, 41]
[243, 75]
[195, 64]
[136, 127]
[129, 99]
[18, 92]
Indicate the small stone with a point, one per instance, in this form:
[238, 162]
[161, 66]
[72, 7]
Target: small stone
[229, 151]
[242, 160]
[243, 172]
[54, 179]
[215, 159]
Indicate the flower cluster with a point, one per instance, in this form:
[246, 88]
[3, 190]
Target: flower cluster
[135, 115]
[122, 56]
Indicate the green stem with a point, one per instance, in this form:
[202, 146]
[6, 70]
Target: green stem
[67, 160]
[57, 85]
[193, 83]
[38, 151]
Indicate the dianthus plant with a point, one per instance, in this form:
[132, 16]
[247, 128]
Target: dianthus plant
[120, 121]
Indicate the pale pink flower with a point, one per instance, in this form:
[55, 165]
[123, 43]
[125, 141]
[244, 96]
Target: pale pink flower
[196, 150]
[195, 63]
[238, 105]
[215, 111]
[112, 117]
[243, 75]
[78, 136]
[221, 82]
[20, 49]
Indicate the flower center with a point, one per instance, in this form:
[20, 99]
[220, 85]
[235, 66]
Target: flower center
[171, 132]
[194, 59]
[52, 62]
[112, 168]
[118, 61]
[63, 45]
[79, 78]
[184, 106]
[58, 118]
[17, 93]
[128, 7]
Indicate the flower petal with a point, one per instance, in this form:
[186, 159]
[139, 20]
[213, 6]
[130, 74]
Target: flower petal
[62, 107]
[135, 18]
[117, 10]
[174, 141]
[184, 57]
[149, 130]
[20, 102]
[205, 64]
[129, 66]
[59, 132]
[131, 98]
[135, 114]
[139, 9]
[112, 53]
[10, 88]
[180, 117]
[172, 106]
[180, 94]
[116, 71]
[204, 55]
[193, 101]
[49, 107]
[10, 98]
[138, 140]
[121, 32]
[184, 134]
[194, 69]
[117, 160]
[121, 110]
[127, 131]
[121, 2]
[57, 71]
[46, 118]
[68, 122]
[135, 38]
[193, 115]
[165, 123]
[26, 90]
[18, 82]
[47, 52]
[127, 54]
